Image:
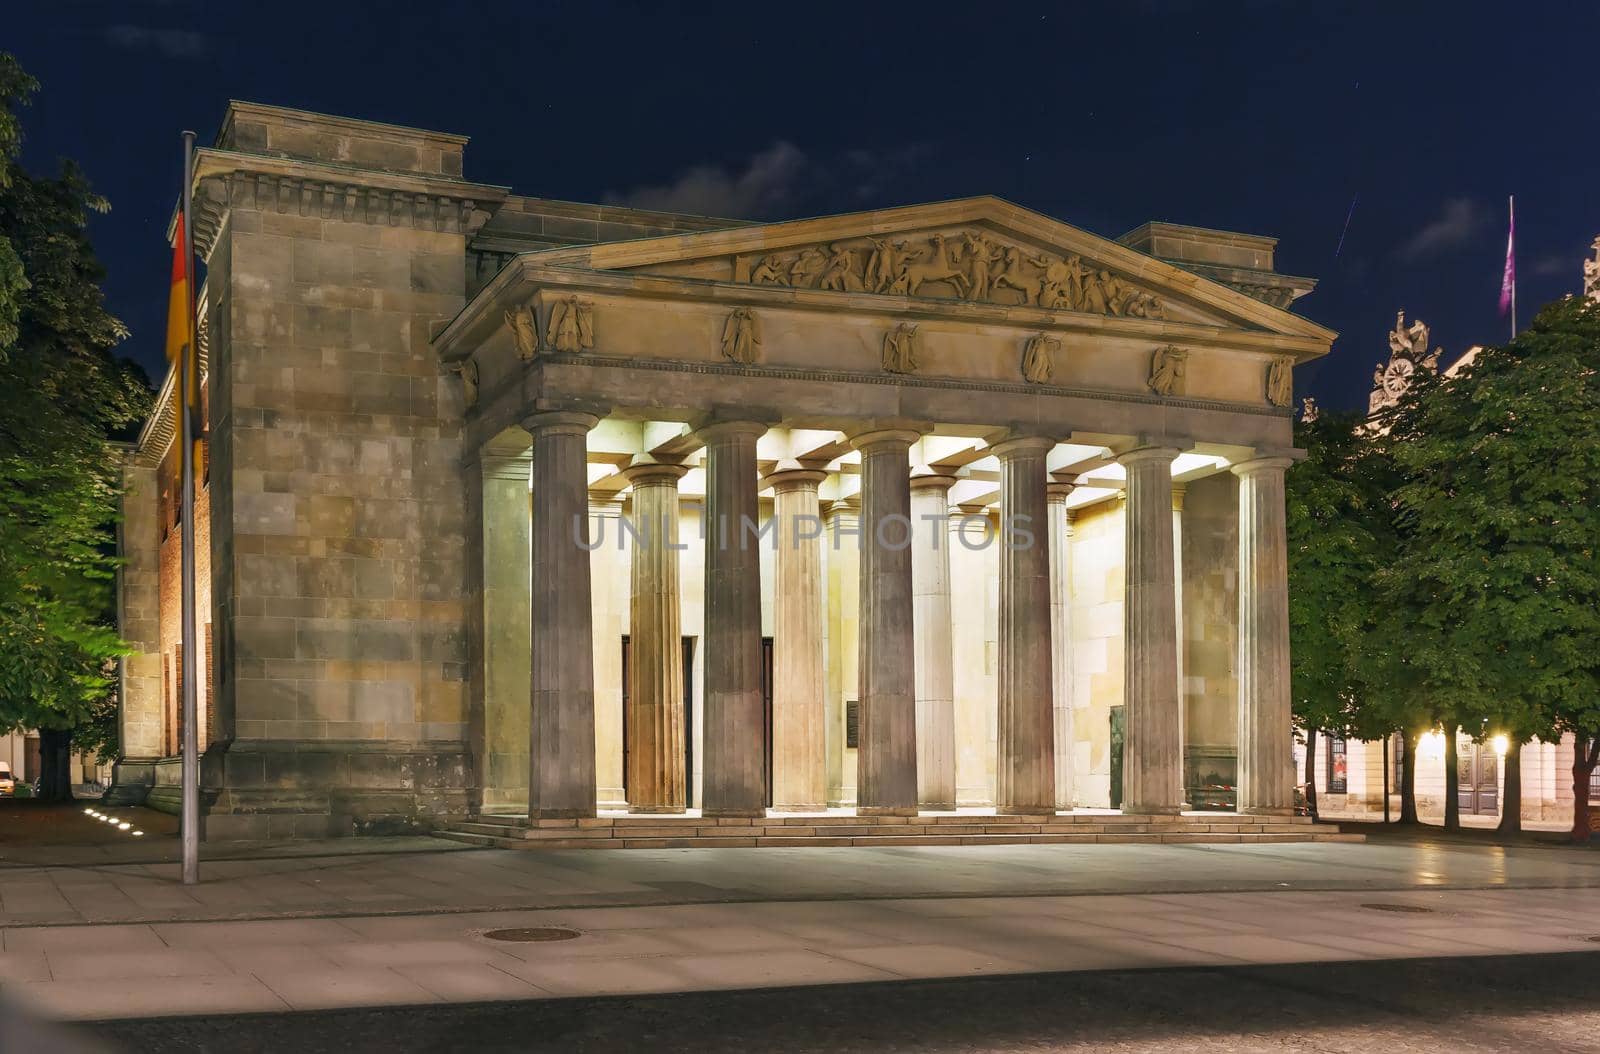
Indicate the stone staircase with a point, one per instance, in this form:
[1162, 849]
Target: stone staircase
[844, 829]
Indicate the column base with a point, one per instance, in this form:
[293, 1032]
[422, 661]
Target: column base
[561, 814]
[819, 807]
[657, 810]
[1273, 811]
[1152, 810]
[1025, 810]
[732, 814]
[937, 806]
[885, 810]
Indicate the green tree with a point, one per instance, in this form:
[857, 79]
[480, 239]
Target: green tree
[66, 396]
[1497, 579]
[1339, 528]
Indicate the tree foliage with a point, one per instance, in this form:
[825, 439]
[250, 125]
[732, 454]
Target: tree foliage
[66, 396]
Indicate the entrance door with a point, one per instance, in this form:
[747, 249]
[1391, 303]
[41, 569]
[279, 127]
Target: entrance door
[766, 711]
[1116, 756]
[1478, 769]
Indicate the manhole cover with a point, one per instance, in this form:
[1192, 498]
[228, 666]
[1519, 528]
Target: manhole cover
[1404, 909]
[533, 934]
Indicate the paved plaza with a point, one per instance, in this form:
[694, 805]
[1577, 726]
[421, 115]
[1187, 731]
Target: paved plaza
[408, 928]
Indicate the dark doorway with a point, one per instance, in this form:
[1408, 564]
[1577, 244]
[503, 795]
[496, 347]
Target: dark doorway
[766, 711]
[1117, 737]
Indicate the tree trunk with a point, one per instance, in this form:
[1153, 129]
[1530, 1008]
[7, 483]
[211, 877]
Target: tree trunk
[1585, 752]
[1511, 797]
[1311, 771]
[55, 765]
[1408, 777]
[1452, 780]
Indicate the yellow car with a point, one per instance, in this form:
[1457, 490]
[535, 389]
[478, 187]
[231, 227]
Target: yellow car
[8, 785]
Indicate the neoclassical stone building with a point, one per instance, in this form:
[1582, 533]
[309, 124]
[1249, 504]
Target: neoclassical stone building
[516, 504]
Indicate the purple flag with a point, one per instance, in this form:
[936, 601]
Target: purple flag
[1508, 282]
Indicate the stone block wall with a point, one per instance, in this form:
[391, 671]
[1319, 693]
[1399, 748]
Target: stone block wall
[1098, 589]
[139, 624]
[1210, 620]
[340, 601]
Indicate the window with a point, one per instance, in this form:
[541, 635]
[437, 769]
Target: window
[1338, 759]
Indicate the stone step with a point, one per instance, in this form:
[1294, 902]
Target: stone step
[683, 835]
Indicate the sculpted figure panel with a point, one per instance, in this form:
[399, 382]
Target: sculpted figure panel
[1280, 381]
[741, 336]
[1166, 370]
[1591, 274]
[969, 265]
[523, 331]
[571, 327]
[900, 349]
[1038, 358]
[467, 370]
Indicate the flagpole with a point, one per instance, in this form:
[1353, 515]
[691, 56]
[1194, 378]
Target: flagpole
[190, 829]
[1511, 204]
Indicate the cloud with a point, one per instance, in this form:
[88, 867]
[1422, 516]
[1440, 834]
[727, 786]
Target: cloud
[173, 43]
[1458, 224]
[778, 182]
[1550, 265]
[763, 187]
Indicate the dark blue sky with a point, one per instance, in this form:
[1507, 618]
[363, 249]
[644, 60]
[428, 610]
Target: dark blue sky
[1259, 117]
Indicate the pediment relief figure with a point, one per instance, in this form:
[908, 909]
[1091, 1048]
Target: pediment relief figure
[571, 327]
[467, 370]
[1280, 380]
[966, 265]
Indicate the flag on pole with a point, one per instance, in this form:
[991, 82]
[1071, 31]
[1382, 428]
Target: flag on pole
[1508, 281]
[181, 349]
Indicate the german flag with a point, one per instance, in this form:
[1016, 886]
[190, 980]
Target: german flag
[181, 349]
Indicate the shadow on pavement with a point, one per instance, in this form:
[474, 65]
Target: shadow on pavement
[1491, 1003]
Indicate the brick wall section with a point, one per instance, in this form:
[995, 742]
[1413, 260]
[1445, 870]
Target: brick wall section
[138, 612]
[171, 600]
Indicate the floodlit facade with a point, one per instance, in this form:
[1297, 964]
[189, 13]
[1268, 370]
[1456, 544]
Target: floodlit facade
[516, 506]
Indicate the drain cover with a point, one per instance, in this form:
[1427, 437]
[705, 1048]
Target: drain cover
[1406, 909]
[533, 934]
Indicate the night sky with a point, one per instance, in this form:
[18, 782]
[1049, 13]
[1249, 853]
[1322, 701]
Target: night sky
[1267, 118]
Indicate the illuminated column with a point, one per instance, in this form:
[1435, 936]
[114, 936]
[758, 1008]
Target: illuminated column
[1152, 766]
[1025, 765]
[1060, 537]
[561, 727]
[799, 731]
[934, 651]
[655, 635]
[887, 759]
[1266, 772]
[734, 781]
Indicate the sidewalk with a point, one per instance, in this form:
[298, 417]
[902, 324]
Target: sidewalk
[279, 965]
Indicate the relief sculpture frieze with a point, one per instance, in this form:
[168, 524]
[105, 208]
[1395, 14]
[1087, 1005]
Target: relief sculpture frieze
[968, 265]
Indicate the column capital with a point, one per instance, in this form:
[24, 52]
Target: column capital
[561, 422]
[875, 438]
[1271, 463]
[932, 481]
[1057, 491]
[1015, 444]
[1141, 454]
[848, 503]
[788, 479]
[719, 429]
[1178, 491]
[659, 472]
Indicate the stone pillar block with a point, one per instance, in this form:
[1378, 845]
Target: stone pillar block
[1266, 768]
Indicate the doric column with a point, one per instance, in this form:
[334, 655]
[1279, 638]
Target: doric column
[933, 658]
[799, 730]
[507, 632]
[841, 557]
[734, 782]
[887, 760]
[1060, 532]
[1266, 776]
[974, 632]
[1024, 729]
[655, 663]
[561, 727]
[1178, 490]
[609, 560]
[1152, 765]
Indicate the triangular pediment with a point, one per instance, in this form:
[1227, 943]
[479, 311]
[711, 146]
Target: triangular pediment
[978, 250]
